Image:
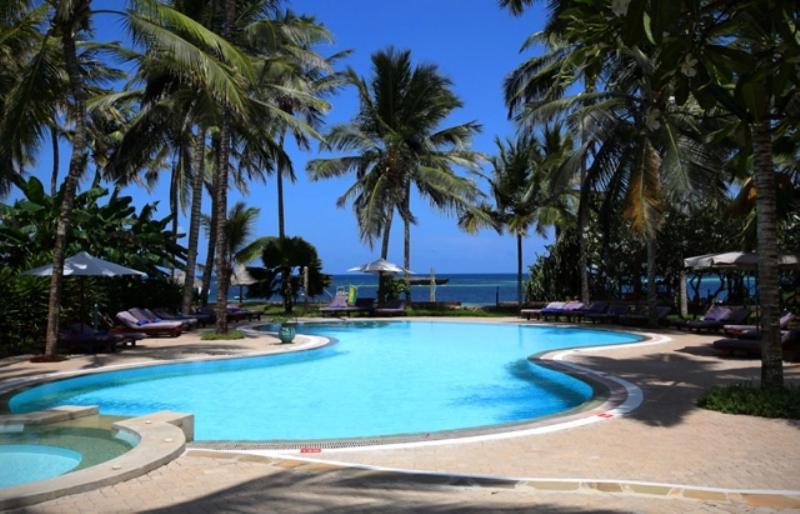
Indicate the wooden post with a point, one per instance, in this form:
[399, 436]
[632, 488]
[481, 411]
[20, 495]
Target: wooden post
[683, 300]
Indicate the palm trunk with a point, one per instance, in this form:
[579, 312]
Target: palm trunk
[519, 270]
[210, 254]
[387, 231]
[220, 241]
[583, 209]
[173, 198]
[286, 271]
[768, 292]
[279, 183]
[54, 173]
[194, 221]
[221, 195]
[652, 296]
[583, 259]
[407, 239]
[77, 164]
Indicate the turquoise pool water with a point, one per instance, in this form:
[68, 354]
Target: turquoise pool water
[46, 451]
[21, 463]
[380, 378]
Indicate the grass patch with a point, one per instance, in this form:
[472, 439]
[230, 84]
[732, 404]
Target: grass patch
[227, 336]
[752, 400]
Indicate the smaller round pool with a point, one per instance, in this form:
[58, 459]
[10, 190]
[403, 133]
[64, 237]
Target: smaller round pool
[21, 463]
[46, 451]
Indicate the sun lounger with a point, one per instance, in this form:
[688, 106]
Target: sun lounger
[790, 340]
[129, 337]
[238, 314]
[170, 328]
[611, 315]
[365, 305]
[739, 330]
[567, 310]
[391, 308]
[84, 339]
[717, 319]
[339, 305]
[528, 313]
[642, 318]
[594, 308]
[188, 323]
[194, 320]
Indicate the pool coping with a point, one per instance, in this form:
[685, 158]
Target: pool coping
[162, 437]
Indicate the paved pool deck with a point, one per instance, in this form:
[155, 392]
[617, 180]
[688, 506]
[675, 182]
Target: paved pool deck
[667, 440]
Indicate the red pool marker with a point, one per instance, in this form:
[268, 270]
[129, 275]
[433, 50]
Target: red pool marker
[310, 450]
[605, 415]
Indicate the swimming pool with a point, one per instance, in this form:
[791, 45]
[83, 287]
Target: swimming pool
[379, 379]
[38, 452]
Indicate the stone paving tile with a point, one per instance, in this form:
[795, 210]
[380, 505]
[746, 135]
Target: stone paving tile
[269, 487]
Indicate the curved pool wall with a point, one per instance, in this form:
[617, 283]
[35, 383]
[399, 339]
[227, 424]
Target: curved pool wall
[37, 452]
[379, 379]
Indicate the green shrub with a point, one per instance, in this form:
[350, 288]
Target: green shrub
[227, 336]
[754, 401]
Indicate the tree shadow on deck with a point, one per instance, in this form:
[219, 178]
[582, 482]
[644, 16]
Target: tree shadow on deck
[673, 381]
[350, 490]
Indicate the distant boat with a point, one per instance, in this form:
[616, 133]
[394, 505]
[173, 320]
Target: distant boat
[426, 281]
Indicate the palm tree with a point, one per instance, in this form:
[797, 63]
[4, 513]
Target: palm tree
[741, 63]
[193, 49]
[546, 77]
[241, 249]
[397, 143]
[526, 187]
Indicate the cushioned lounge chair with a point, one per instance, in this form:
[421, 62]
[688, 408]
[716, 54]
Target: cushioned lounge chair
[188, 323]
[206, 312]
[194, 320]
[739, 330]
[717, 320]
[714, 313]
[567, 310]
[338, 305]
[790, 340]
[528, 313]
[642, 318]
[84, 339]
[391, 308]
[151, 328]
[365, 305]
[239, 314]
[593, 308]
[611, 315]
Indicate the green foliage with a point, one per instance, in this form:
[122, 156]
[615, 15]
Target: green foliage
[227, 336]
[112, 230]
[23, 312]
[617, 254]
[395, 287]
[753, 401]
[289, 255]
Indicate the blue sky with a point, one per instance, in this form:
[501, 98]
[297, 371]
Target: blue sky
[473, 42]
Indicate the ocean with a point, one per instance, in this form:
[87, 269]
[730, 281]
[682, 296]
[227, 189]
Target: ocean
[467, 288]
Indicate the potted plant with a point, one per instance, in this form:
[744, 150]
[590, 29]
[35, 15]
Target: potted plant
[288, 328]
